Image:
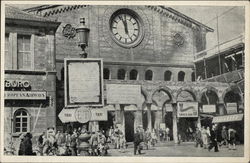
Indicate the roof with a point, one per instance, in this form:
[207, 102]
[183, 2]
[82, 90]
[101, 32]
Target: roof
[15, 13]
[48, 10]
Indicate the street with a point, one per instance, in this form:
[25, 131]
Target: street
[182, 150]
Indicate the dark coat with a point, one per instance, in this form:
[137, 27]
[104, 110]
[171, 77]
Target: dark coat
[213, 135]
[21, 150]
[138, 138]
[28, 146]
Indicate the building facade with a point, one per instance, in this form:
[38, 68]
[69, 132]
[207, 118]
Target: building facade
[151, 46]
[30, 75]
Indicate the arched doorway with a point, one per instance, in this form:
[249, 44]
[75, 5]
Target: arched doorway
[129, 126]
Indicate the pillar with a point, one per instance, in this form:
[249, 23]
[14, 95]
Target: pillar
[138, 119]
[175, 130]
[158, 119]
[221, 108]
[122, 116]
[149, 118]
[117, 113]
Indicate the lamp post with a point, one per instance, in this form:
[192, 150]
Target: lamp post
[83, 34]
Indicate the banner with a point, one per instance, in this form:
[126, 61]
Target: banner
[231, 108]
[83, 82]
[123, 94]
[208, 109]
[228, 118]
[187, 109]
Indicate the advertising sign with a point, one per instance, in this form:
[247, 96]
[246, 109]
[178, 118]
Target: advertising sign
[25, 95]
[67, 115]
[231, 108]
[123, 94]
[187, 109]
[99, 115]
[208, 109]
[168, 107]
[83, 82]
[228, 118]
[162, 126]
[83, 114]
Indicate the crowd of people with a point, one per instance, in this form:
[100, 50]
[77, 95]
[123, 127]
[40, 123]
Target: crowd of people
[213, 138]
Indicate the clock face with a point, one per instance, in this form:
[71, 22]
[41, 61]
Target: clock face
[126, 29]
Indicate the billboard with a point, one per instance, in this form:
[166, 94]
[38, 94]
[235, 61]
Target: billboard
[187, 109]
[123, 94]
[208, 109]
[83, 82]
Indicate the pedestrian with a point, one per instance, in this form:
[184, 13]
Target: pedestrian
[154, 137]
[28, 144]
[21, 150]
[224, 136]
[232, 138]
[198, 138]
[122, 141]
[167, 134]
[204, 135]
[116, 136]
[59, 138]
[40, 143]
[137, 140]
[73, 142]
[94, 143]
[213, 139]
[148, 138]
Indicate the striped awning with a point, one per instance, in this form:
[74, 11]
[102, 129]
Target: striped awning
[228, 118]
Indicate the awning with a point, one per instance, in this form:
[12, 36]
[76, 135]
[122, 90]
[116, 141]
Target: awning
[228, 118]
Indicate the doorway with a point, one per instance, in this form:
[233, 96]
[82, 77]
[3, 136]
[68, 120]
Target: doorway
[129, 126]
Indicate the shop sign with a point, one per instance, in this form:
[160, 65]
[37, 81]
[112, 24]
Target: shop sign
[123, 94]
[228, 118]
[83, 82]
[99, 115]
[162, 126]
[130, 108]
[208, 109]
[24, 95]
[187, 109]
[231, 108]
[168, 107]
[83, 114]
[16, 83]
[67, 115]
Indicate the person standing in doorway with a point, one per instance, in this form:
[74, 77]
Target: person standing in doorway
[204, 137]
[224, 136]
[167, 134]
[148, 138]
[137, 141]
[232, 138]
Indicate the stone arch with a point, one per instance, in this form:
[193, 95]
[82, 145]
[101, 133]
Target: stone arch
[189, 90]
[207, 88]
[165, 89]
[224, 94]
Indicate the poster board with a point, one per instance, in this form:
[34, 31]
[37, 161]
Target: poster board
[83, 82]
[187, 109]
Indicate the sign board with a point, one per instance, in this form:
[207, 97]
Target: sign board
[208, 109]
[162, 126]
[228, 118]
[187, 109]
[24, 95]
[83, 114]
[231, 108]
[130, 108]
[168, 107]
[10, 83]
[123, 94]
[83, 82]
[99, 115]
[67, 115]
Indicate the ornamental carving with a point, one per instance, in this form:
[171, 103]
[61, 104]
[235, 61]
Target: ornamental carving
[69, 31]
[178, 39]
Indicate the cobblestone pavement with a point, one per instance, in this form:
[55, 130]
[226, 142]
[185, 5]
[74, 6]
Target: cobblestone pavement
[186, 149]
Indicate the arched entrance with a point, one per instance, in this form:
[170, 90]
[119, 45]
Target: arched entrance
[129, 126]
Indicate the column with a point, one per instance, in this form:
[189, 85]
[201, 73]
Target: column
[149, 118]
[221, 108]
[158, 119]
[117, 113]
[122, 116]
[138, 119]
[175, 130]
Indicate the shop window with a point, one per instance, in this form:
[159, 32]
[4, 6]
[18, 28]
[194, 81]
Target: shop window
[181, 76]
[121, 74]
[21, 121]
[106, 73]
[24, 52]
[193, 76]
[149, 75]
[8, 56]
[167, 75]
[133, 75]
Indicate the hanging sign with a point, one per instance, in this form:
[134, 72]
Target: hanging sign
[24, 95]
[67, 115]
[99, 114]
[231, 108]
[83, 82]
[83, 114]
[208, 109]
[187, 109]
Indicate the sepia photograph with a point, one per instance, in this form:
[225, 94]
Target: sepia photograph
[124, 80]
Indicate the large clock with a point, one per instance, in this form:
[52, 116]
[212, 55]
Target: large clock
[126, 28]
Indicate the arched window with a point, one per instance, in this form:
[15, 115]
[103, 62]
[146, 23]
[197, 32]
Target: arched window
[21, 121]
[167, 75]
[193, 76]
[181, 76]
[133, 75]
[62, 74]
[121, 74]
[149, 75]
[106, 73]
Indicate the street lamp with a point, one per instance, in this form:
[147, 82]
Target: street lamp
[83, 34]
